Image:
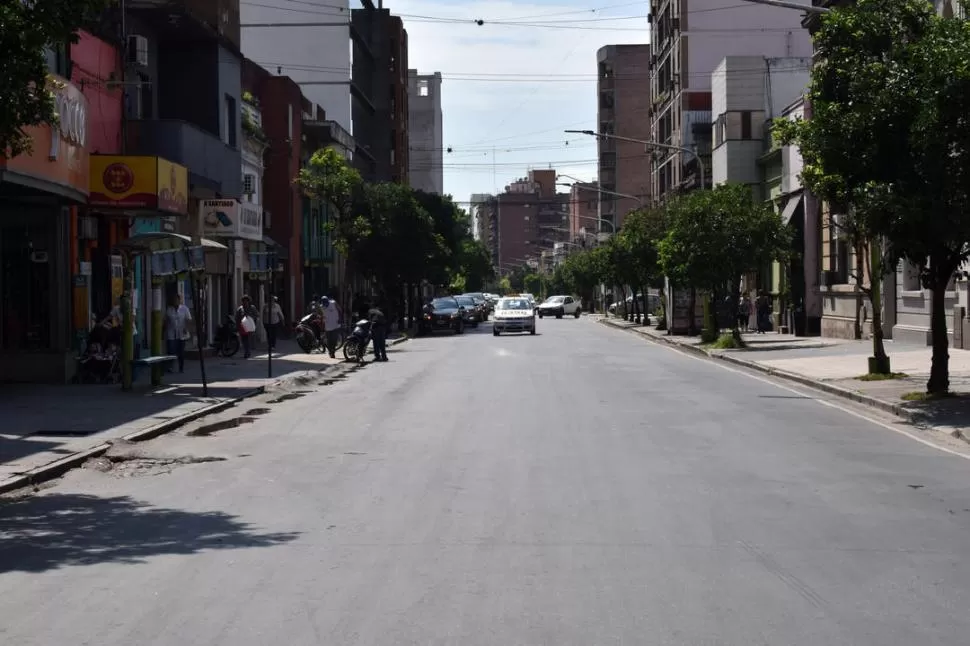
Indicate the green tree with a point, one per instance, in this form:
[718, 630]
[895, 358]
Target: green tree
[27, 29]
[584, 270]
[330, 178]
[533, 283]
[713, 237]
[474, 265]
[888, 140]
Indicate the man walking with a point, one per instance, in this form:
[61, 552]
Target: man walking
[331, 324]
[378, 332]
[246, 317]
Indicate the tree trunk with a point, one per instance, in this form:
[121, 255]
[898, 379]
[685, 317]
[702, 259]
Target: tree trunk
[880, 360]
[860, 254]
[939, 382]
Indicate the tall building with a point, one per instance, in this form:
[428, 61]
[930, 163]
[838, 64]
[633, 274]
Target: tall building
[379, 91]
[530, 217]
[425, 131]
[310, 43]
[584, 201]
[680, 86]
[484, 211]
[623, 109]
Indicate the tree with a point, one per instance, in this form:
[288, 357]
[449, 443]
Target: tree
[27, 29]
[635, 255]
[584, 270]
[474, 265]
[713, 237]
[888, 139]
[329, 178]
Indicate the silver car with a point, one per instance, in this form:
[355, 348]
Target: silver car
[514, 314]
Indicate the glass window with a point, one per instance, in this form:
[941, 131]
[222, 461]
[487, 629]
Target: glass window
[25, 253]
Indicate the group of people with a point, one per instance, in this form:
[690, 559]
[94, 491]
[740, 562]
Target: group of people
[762, 309]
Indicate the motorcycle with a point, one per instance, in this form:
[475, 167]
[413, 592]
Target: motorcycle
[355, 347]
[309, 332]
[226, 342]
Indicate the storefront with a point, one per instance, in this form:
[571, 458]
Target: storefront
[40, 193]
[148, 192]
[239, 225]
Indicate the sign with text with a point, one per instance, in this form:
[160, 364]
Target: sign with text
[231, 219]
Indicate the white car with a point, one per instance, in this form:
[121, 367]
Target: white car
[513, 314]
[559, 306]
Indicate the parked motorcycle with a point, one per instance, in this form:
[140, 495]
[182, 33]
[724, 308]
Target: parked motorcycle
[309, 332]
[226, 342]
[355, 347]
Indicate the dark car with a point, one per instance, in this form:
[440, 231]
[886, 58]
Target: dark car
[444, 313]
[473, 311]
[482, 301]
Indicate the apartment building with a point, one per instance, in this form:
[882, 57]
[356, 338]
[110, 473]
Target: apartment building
[310, 43]
[584, 204]
[623, 109]
[688, 40]
[379, 95]
[425, 132]
[530, 217]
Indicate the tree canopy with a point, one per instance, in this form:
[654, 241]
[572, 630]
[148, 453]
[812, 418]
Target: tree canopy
[27, 30]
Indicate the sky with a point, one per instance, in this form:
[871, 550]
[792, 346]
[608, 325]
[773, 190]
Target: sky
[509, 90]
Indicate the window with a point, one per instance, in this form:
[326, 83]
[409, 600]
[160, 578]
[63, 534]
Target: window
[720, 130]
[232, 113]
[58, 60]
[423, 88]
[746, 125]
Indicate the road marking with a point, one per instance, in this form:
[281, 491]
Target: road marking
[723, 366]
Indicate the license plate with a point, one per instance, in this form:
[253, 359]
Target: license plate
[442, 323]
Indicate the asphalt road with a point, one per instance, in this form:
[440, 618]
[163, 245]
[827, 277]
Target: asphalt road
[580, 487]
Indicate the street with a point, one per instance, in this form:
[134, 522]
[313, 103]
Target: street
[579, 487]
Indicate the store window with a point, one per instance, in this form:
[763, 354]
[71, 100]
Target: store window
[25, 295]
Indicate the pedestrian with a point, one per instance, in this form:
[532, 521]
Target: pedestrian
[246, 317]
[378, 332]
[744, 312]
[274, 319]
[763, 309]
[331, 324]
[176, 327]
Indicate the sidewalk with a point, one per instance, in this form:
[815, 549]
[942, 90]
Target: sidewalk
[43, 424]
[835, 365]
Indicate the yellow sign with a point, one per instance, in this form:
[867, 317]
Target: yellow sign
[139, 182]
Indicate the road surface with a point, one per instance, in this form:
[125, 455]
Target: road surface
[580, 487]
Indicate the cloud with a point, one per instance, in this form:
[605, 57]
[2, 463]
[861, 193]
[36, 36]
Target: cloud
[503, 85]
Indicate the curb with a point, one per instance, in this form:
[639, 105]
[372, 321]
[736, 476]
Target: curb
[43, 473]
[872, 402]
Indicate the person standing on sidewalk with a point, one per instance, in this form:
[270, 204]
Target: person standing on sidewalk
[274, 319]
[763, 309]
[246, 328]
[177, 319]
[744, 312]
[331, 324]
[378, 332]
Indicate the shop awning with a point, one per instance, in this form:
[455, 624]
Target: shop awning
[148, 242]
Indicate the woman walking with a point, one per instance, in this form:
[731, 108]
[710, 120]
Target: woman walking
[177, 319]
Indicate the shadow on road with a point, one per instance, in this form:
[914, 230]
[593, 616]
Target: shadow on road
[57, 530]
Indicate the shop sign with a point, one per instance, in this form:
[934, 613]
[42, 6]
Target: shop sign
[231, 219]
[137, 182]
[60, 154]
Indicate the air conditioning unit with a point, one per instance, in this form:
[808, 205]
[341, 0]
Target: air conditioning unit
[138, 50]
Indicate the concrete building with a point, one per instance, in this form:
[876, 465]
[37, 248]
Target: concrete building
[309, 43]
[530, 217]
[484, 210]
[380, 95]
[623, 109]
[584, 204]
[425, 132]
[682, 64]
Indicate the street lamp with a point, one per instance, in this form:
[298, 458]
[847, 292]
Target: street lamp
[648, 144]
[791, 5]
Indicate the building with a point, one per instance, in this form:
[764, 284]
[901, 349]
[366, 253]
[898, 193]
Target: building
[530, 217]
[308, 42]
[747, 94]
[425, 132]
[680, 86]
[484, 211]
[584, 205]
[623, 109]
[380, 95]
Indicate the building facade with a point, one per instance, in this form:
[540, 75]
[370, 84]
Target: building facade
[530, 217]
[623, 109]
[309, 43]
[682, 64]
[584, 205]
[425, 132]
[380, 95]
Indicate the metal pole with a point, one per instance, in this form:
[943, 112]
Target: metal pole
[650, 144]
[269, 355]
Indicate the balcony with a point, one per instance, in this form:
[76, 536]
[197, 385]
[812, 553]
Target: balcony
[192, 19]
[213, 165]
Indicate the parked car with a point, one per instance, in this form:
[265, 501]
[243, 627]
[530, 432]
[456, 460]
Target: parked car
[559, 306]
[443, 313]
[472, 312]
[648, 306]
[514, 314]
[481, 304]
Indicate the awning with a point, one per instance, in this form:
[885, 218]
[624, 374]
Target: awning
[147, 242]
[790, 207]
[281, 251]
